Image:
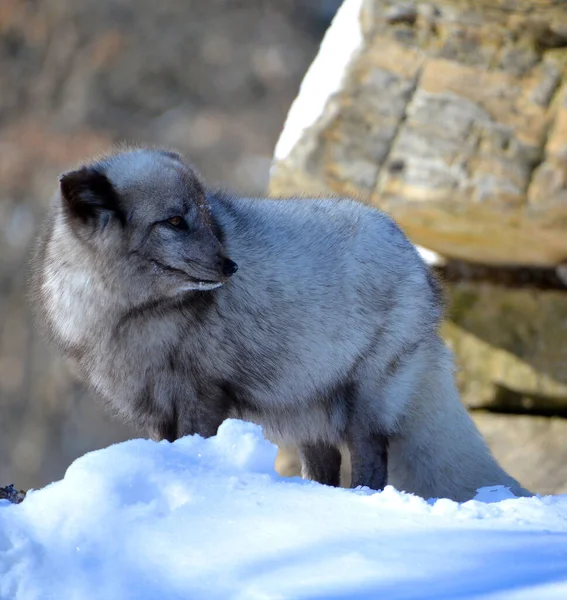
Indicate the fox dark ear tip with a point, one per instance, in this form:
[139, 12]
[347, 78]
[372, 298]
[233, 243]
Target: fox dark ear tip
[68, 177]
[67, 184]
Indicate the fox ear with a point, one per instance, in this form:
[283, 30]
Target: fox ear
[89, 196]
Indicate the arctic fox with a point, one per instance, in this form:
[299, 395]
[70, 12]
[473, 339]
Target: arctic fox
[315, 318]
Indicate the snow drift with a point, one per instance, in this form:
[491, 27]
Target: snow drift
[211, 519]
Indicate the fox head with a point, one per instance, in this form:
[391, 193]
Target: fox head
[143, 216]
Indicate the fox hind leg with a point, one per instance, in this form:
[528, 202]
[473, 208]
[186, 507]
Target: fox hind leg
[369, 459]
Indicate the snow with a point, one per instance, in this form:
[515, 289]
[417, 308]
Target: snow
[211, 519]
[324, 76]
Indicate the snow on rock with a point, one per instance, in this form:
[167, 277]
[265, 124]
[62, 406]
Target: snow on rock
[209, 518]
[325, 75]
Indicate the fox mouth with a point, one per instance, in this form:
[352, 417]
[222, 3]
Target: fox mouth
[196, 284]
[192, 282]
[207, 281]
[205, 284]
[202, 286]
[201, 282]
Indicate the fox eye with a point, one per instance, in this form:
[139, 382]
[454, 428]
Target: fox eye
[178, 222]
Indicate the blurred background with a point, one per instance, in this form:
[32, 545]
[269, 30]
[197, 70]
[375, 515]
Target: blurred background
[212, 78]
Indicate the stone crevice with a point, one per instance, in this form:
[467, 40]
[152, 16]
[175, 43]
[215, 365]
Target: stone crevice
[398, 165]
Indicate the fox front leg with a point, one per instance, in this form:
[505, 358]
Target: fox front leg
[321, 462]
[190, 419]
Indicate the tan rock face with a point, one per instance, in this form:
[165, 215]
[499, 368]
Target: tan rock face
[532, 449]
[511, 346]
[452, 116]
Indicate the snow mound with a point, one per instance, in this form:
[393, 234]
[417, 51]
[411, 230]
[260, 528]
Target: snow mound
[209, 518]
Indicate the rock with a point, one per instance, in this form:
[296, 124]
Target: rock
[11, 494]
[511, 346]
[450, 114]
[532, 449]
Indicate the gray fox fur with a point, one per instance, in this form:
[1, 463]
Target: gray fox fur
[315, 318]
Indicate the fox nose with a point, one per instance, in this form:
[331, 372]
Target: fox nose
[229, 267]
